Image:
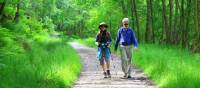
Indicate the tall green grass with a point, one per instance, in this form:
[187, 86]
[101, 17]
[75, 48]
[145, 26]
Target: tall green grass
[167, 66]
[51, 64]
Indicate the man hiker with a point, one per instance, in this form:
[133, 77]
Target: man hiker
[103, 39]
[126, 39]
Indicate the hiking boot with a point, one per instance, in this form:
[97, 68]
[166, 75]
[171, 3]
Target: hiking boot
[105, 75]
[125, 76]
[108, 72]
[129, 76]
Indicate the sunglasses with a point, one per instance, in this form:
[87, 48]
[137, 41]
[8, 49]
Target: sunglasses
[125, 24]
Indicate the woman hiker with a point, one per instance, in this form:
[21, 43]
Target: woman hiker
[103, 39]
[126, 39]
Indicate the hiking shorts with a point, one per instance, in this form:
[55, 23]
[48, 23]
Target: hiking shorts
[103, 59]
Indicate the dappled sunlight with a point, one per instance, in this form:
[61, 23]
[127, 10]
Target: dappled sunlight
[58, 43]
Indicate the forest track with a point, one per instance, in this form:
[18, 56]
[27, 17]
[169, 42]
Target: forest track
[92, 75]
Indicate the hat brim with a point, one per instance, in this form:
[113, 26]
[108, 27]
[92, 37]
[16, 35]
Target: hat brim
[105, 25]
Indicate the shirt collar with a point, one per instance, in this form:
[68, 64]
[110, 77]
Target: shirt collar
[125, 29]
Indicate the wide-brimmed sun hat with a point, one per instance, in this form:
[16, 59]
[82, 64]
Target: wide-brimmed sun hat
[103, 24]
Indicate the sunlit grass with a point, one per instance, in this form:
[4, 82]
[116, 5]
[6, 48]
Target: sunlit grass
[52, 65]
[88, 41]
[168, 66]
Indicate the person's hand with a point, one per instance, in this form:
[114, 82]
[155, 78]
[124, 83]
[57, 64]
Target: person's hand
[97, 43]
[108, 45]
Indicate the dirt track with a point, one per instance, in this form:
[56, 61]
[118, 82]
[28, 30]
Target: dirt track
[92, 75]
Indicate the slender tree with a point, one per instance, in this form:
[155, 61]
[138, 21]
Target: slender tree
[169, 34]
[164, 21]
[134, 12]
[149, 29]
[152, 21]
[196, 22]
[182, 23]
[2, 5]
[175, 35]
[124, 8]
[187, 23]
[17, 12]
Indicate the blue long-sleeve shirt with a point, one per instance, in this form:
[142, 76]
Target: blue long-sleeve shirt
[125, 36]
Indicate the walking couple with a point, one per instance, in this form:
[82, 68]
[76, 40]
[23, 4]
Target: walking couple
[125, 39]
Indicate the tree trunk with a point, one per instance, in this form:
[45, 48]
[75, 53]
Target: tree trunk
[175, 37]
[187, 23]
[182, 23]
[134, 11]
[164, 21]
[169, 36]
[195, 47]
[2, 5]
[196, 17]
[149, 33]
[17, 13]
[137, 20]
[147, 23]
[124, 8]
[152, 26]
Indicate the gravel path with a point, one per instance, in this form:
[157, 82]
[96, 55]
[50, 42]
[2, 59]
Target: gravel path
[92, 75]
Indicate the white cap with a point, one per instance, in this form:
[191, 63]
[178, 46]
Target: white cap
[125, 20]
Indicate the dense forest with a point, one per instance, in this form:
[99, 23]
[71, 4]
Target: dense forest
[167, 21]
[29, 27]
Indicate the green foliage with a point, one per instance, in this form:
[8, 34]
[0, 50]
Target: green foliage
[54, 65]
[7, 40]
[168, 66]
[104, 13]
[48, 24]
[32, 54]
[8, 10]
[27, 44]
[1, 1]
[6, 37]
[89, 42]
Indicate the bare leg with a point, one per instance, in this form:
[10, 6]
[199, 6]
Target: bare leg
[108, 65]
[103, 67]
